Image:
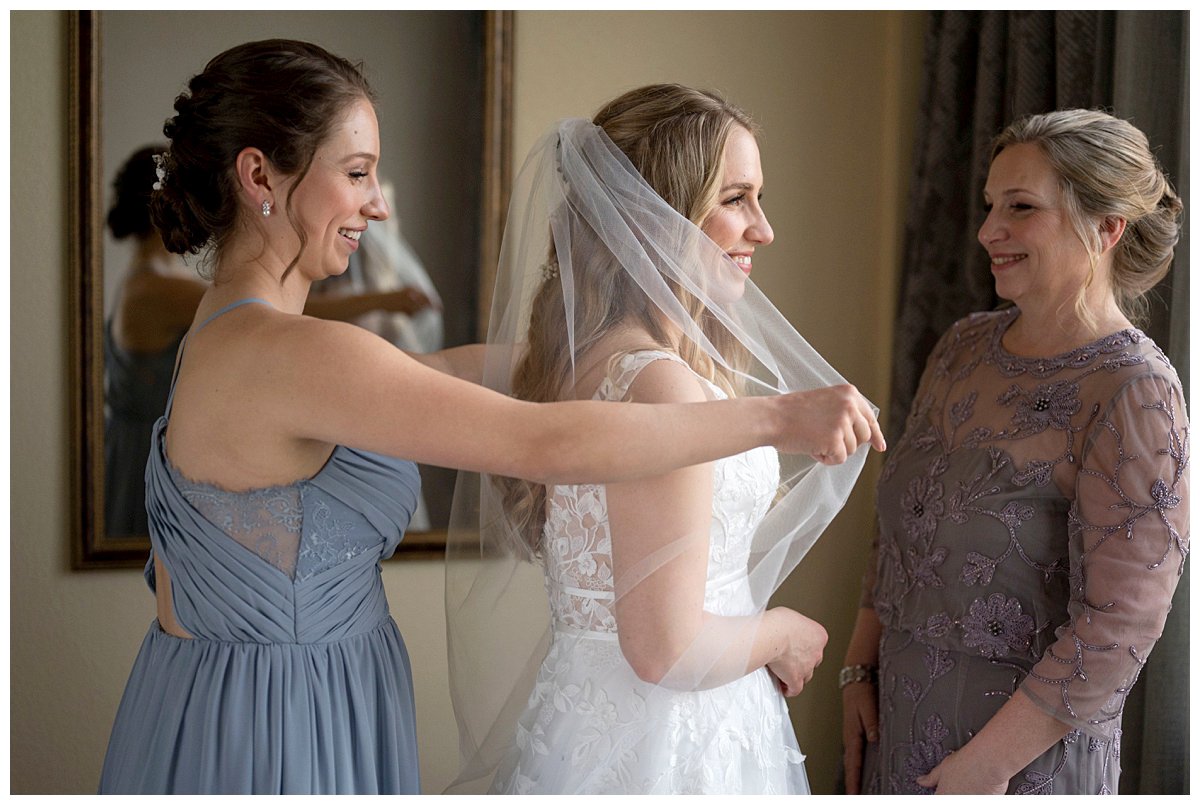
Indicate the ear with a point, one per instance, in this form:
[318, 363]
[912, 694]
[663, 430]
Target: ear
[255, 177]
[1111, 229]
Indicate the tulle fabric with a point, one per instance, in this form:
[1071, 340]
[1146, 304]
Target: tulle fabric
[576, 200]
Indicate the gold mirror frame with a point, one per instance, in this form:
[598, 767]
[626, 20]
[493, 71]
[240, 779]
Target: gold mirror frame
[91, 547]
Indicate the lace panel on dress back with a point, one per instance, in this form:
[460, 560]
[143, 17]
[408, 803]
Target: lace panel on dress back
[266, 521]
[577, 540]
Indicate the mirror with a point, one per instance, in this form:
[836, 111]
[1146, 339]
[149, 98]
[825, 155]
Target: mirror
[443, 87]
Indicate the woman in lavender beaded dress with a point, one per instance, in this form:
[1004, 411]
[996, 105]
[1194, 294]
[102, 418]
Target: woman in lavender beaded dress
[1033, 519]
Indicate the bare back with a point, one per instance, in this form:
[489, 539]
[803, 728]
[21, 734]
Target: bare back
[226, 427]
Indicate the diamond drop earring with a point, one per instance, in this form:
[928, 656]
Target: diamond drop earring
[266, 208]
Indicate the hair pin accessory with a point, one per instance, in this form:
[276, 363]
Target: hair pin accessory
[160, 169]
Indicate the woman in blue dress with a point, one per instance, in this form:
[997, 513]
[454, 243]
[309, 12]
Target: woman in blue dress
[282, 471]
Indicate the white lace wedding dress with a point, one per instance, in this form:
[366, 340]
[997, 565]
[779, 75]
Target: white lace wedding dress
[591, 725]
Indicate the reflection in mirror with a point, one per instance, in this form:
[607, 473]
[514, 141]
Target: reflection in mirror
[441, 83]
[150, 308]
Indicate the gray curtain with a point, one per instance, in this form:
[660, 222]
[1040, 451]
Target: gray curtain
[982, 70]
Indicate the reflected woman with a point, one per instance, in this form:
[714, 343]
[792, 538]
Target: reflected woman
[155, 302]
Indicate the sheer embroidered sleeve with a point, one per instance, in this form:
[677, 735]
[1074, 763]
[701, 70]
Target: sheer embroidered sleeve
[1128, 536]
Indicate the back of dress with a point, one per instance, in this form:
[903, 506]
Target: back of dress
[591, 724]
[294, 677]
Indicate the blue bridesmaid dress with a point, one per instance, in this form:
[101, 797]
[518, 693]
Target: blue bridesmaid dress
[296, 679]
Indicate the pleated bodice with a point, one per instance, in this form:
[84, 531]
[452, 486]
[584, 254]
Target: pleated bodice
[352, 514]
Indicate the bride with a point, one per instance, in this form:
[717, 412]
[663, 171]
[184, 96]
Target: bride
[660, 669]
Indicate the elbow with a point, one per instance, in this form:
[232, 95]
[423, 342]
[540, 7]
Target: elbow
[547, 458]
[651, 667]
[654, 660]
[537, 464]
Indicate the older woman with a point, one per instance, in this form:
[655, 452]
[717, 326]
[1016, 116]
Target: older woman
[282, 471]
[1033, 519]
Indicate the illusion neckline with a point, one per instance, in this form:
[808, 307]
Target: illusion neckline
[1117, 339]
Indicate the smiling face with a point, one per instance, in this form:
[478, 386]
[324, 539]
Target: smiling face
[340, 194]
[1035, 251]
[738, 224]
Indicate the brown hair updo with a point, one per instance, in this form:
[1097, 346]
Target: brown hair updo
[129, 213]
[281, 96]
[1105, 168]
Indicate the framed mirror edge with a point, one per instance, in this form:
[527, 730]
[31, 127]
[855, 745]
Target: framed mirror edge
[90, 547]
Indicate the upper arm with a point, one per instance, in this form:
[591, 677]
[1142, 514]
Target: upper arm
[660, 528]
[340, 384]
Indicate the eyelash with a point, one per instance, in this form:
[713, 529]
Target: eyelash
[358, 175]
[738, 199]
[1019, 207]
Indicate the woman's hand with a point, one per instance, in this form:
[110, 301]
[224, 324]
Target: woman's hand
[960, 773]
[1011, 739]
[804, 649]
[860, 725]
[829, 423]
[409, 299]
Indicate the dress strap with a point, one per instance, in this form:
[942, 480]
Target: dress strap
[230, 307]
[625, 369]
[203, 324]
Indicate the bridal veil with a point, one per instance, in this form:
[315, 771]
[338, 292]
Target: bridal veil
[580, 207]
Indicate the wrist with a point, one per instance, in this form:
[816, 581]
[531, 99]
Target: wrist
[774, 421]
[855, 674]
[781, 622]
[992, 768]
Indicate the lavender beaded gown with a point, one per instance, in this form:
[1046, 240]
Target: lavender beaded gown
[1033, 526]
[296, 679]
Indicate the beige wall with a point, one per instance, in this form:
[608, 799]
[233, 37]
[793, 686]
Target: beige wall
[834, 92]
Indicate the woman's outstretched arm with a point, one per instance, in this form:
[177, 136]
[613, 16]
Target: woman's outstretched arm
[373, 396]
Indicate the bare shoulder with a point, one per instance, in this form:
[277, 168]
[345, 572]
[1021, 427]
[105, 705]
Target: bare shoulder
[268, 358]
[310, 338]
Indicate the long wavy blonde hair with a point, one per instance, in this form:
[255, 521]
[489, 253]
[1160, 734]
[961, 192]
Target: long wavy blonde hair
[675, 136]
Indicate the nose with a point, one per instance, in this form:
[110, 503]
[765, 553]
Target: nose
[760, 231]
[376, 207]
[990, 230]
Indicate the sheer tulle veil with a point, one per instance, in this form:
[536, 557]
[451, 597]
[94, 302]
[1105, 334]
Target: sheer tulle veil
[580, 208]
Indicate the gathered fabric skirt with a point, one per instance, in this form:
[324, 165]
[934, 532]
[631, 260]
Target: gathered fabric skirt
[591, 726]
[209, 717]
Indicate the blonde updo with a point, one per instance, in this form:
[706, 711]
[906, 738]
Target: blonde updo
[1105, 168]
